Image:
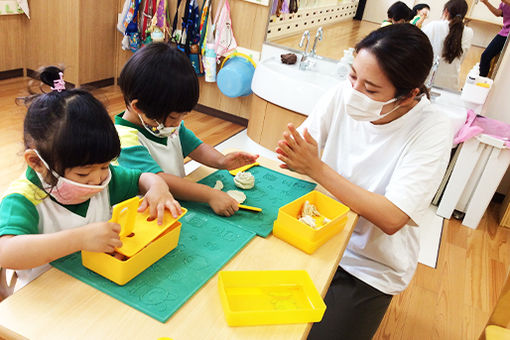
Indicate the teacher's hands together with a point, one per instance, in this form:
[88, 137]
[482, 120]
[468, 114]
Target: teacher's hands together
[299, 153]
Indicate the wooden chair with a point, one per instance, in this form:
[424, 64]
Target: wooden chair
[501, 314]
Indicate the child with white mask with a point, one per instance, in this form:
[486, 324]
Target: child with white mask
[378, 146]
[160, 87]
[63, 202]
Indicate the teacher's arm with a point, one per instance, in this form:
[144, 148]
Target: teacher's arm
[301, 154]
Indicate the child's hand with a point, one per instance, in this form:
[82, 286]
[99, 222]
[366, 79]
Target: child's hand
[157, 199]
[238, 159]
[222, 204]
[102, 237]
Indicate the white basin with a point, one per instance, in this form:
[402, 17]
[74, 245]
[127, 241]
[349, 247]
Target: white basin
[289, 87]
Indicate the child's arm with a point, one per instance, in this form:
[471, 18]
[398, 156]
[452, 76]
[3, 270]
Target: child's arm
[157, 197]
[220, 202]
[33, 250]
[211, 157]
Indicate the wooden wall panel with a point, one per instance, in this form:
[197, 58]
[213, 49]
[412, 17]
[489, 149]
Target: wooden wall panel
[52, 36]
[12, 53]
[97, 38]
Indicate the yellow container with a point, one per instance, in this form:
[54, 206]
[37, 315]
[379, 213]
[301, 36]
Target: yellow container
[144, 243]
[288, 228]
[269, 297]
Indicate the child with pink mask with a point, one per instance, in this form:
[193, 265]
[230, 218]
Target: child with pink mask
[63, 202]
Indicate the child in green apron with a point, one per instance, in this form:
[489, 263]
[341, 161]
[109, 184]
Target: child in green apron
[160, 86]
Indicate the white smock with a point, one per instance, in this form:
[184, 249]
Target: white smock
[447, 75]
[404, 160]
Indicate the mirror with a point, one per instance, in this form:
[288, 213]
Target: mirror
[341, 31]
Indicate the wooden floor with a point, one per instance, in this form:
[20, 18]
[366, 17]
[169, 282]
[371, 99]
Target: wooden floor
[453, 301]
[345, 34]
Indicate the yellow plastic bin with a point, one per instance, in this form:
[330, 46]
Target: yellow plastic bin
[269, 297]
[144, 243]
[288, 228]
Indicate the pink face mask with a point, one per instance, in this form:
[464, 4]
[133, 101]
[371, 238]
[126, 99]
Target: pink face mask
[69, 192]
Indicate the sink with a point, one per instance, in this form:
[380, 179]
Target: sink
[289, 87]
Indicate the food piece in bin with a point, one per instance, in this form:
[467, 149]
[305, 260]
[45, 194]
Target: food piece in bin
[311, 216]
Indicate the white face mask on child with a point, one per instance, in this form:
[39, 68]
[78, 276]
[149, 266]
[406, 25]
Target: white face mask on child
[361, 107]
[69, 192]
[160, 131]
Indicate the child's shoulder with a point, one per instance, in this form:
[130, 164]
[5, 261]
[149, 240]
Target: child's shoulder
[27, 189]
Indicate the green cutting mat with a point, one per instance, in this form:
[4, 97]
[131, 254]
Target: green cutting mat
[271, 191]
[206, 244]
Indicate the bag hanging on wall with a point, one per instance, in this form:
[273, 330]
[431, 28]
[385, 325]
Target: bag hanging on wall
[128, 24]
[224, 40]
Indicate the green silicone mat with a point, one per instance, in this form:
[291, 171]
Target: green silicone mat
[271, 191]
[206, 244]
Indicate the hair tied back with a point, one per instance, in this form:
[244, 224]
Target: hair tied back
[59, 84]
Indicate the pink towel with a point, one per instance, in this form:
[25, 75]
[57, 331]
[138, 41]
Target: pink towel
[476, 125]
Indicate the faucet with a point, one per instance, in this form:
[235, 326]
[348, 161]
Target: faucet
[318, 37]
[433, 71]
[305, 63]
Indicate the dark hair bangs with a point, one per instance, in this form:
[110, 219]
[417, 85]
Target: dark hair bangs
[162, 79]
[87, 136]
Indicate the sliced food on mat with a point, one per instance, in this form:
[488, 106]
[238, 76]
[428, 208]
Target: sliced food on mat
[218, 185]
[244, 180]
[311, 216]
[239, 196]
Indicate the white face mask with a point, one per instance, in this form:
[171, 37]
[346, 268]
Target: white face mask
[69, 192]
[161, 130]
[361, 107]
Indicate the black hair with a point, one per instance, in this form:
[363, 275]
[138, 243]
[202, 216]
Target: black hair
[404, 54]
[452, 46]
[68, 128]
[418, 7]
[399, 11]
[162, 79]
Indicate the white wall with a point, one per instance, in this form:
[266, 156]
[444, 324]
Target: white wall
[497, 105]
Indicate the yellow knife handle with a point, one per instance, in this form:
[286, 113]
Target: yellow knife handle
[243, 168]
[247, 207]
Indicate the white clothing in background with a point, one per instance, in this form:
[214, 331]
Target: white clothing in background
[404, 160]
[447, 75]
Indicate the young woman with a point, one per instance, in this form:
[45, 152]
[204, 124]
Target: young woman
[496, 45]
[377, 145]
[450, 40]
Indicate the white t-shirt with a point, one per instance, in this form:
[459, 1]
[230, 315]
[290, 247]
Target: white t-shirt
[447, 74]
[404, 160]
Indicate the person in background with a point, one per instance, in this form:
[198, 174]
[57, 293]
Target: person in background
[398, 13]
[450, 40]
[420, 12]
[376, 144]
[63, 202]
[160, 87]
[496, 45]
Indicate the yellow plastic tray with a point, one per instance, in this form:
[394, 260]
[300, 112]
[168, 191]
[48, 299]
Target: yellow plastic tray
[144, 242]
[288, 228]
[269, 297]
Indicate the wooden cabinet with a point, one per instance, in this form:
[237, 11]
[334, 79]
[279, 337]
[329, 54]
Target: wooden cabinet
[268, 121]
[78, 34]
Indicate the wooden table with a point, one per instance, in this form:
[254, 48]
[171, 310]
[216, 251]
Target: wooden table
[58, 306]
